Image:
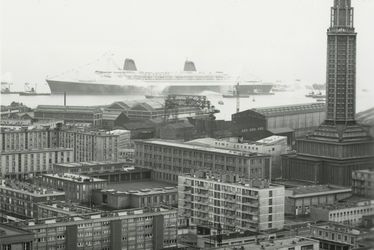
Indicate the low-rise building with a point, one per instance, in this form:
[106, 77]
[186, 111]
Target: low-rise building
[168, 159]
[78, 188]
[136, 195]
[154, 228]
[299, 200]
[22, 164]
[335, 236]
[13, 238]
[349, 212]
[363, 183]
[20, 199]
[209, 202]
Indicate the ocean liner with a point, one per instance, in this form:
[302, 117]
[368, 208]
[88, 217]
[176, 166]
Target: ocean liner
[130, 81]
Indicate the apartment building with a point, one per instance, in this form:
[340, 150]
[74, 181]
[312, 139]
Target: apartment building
[299, 200]
[170, 159]
[22, 164]
[90, 145]
[350, 212]
[154, 228]
[78, 188]
[20, 199]
[218, 205]
[86, 145]
[363, 183]
[24, 139]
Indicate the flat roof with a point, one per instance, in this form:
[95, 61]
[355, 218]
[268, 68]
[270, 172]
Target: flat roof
[208, 149]
[133, 186]
[35, 150]
[26, 188]
[291, 109]
[7, 230]
[313, 190]
[90, 163]
[75, 178]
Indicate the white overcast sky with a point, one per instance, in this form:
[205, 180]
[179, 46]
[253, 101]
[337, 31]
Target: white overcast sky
[271, 39]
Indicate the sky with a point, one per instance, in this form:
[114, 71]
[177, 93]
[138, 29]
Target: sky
[267, 39]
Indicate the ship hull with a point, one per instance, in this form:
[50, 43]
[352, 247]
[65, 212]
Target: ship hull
[86, 88]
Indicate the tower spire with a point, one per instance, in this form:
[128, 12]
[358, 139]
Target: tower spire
[342, 14]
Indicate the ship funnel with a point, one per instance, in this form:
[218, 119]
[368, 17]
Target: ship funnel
[189, 66]
[129, 65]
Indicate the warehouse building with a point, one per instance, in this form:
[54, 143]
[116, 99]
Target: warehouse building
[254, 124]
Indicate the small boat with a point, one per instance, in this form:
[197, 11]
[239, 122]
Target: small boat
[31, 91]
[321, 100]
[221, 102]
[315, 95]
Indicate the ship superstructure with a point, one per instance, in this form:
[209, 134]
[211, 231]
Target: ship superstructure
[131, 81]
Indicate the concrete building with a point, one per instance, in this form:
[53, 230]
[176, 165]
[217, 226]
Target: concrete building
[63, 209]
[252, 124]
[13, 238]
[78, 188]
[272, 145]
[350, 212]
[218, 205]
[24, 139]
[20, 199]
[22, 164]
[169, 159]
[299, 200]
[87, 145]
[339, 145]
[71, 114]
[136, 195]
[335, 236]
[90, 145]
[363, 183]
[154, 228]
[113, 172]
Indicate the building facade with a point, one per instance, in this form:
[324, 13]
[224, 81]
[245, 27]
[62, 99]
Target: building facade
[335, 236]
[31, 162]
[272, 145]
[350, 213]
[78, 188]
[363, 183]
[215, 204]
[300, 200]
[20, 199]
[129, 229]
[170, 159]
